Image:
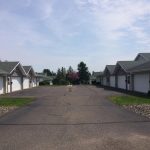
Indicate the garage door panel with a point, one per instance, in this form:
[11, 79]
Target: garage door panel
[25, 83]
[112, 81]
[122, 82]
[141, 83]
[16, 83]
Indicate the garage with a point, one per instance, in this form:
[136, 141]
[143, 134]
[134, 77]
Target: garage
[112, 81]
[104, 81]
[122, 82]
[141, 82]
[16, 83]
[25, 83]
[1, 85]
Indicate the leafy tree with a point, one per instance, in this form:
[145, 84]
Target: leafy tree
[84, 74]
[73, 77]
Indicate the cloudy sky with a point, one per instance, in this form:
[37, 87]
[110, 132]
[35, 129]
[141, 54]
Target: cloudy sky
[55, 33]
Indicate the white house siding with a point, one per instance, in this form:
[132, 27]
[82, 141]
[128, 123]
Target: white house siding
[112, 81]
[104, 81]
[1, 85]
[25, 83]
[122, 82]
[16, 84]
[141, 82]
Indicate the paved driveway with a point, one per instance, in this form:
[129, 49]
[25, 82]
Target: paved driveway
[79, 120]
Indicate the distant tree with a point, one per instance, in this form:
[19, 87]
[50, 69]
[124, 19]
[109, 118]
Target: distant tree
[61, 77]
[84, 74]
[73, 77]
[70, 70]
[47, 72]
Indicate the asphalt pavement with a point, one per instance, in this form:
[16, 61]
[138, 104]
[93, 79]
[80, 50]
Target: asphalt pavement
[80, 119]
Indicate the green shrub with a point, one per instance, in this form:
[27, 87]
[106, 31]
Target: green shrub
[44, 83]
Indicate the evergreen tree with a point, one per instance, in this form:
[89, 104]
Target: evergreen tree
[84, 74]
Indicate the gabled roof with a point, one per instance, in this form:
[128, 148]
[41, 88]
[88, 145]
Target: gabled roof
[28, 69]
[141, 68]
[126, 65]
[2, 72]
[8, 67]
[96, 74]
[43, 76]
[111, 68]
[145, 56]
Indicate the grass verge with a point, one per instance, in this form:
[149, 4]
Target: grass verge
[18, 102]
[129, 100]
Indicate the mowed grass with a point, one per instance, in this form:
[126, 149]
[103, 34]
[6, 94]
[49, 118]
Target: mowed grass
[18, 102]
[129, 100]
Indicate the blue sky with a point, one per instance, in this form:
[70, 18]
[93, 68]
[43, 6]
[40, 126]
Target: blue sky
[54, 33]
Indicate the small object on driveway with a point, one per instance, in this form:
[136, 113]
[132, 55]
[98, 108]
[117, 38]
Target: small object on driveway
[69, 88]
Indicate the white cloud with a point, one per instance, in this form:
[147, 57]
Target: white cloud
[116, 18]
[45, 8]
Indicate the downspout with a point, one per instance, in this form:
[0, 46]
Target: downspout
[10, 84]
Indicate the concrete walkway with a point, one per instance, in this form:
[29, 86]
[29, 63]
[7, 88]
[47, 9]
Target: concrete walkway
[83, 119]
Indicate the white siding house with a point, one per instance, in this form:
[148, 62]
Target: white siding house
[30, 79]
[123, 75]
[96, 78]
[104, 81]
[112, 81]
[122, 82]
[25, 83]
[109, 76]
[141, 82]
[141, 77]
[16, 83]
[12, 77]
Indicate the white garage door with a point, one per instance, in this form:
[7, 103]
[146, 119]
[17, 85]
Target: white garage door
[141, 83]
[1, 85]
[25, 83]
[16, 84]
[112, 81]
[122, 82]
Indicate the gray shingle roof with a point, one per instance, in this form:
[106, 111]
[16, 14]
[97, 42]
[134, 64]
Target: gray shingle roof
[111, 68]
[145, 55]
[7, 67]
[126, 65]
[41, 75]
[142, 67]
[27, 68]
[2, 71]
[97, 74]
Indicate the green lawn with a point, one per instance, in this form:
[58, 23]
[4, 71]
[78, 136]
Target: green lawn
[18, 102]
[129, 100]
